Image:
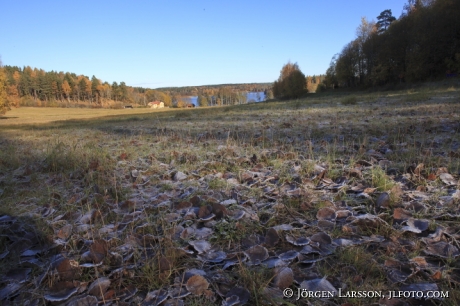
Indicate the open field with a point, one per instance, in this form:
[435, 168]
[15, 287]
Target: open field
[231, 205]
[33, 115]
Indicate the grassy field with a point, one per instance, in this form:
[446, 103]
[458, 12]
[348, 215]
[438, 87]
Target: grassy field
[208, 206]
[33, 115]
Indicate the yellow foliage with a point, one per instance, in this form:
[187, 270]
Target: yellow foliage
[4, 104]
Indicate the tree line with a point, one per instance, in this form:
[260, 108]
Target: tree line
[35, 87]
[28, 86]
[422, 44]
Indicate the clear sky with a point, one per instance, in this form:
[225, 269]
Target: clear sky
[160, 43]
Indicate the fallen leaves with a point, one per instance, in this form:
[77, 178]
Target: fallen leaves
[235, 218]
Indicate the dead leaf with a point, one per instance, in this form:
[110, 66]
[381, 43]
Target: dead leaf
[284, 277]
[99, 287]
[197, 284]
[318, 284]
[256, 254]
[448, 179]
[98, 250]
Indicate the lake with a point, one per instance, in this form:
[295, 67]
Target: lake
[250, 97]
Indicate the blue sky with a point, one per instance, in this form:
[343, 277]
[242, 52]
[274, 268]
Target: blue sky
[181, 43]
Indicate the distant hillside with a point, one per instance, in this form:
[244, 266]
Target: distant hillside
[208, 89]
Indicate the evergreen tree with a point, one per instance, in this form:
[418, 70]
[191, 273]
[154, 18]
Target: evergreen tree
[115, 91]
[123, 92]
[95, 88]
[384, 20]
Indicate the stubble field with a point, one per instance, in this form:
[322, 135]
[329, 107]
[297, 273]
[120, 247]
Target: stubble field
[233, 205]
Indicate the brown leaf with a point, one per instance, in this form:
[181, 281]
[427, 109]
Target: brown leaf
[272, 237]
[197, 284]
[284, 277]
[204, 211]
[256, 254]
[363, 163]
[396, 191]
[437, 275]
[110, 294]
[98, 250]
[442, 249]
[99, 287]
[400, 214]
[418, 169]
[64, 232]
[369, 190]
[448, 179]
[164, 264]
[66, 268]
[421, 188]
[326, 213]
[201, 246]
[354, 172]
[182, 205]
[419, 261]
[441, 170]
[219, 210]
[383, 200]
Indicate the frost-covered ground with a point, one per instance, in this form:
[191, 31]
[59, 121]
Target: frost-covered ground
[230, 206]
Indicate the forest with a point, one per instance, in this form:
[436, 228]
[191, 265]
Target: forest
[35, 87]
[422, 44]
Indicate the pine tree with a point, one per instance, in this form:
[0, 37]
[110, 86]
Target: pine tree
[384, 20]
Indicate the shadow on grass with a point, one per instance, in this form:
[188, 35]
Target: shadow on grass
[25, 253]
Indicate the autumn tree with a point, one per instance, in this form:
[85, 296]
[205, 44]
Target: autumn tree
[202, 101]
[4, 104]
[66, 90]
[291, 82]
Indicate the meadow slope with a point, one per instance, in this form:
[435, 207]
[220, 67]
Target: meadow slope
[232, 205]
